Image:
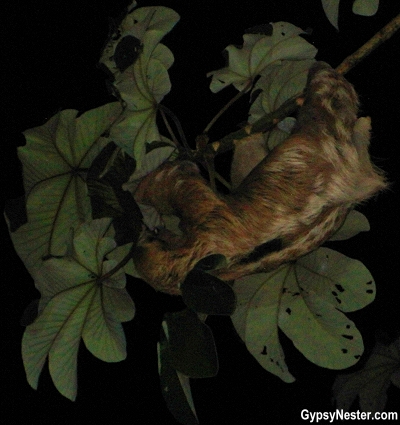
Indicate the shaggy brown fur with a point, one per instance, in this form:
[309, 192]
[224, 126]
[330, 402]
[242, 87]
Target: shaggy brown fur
[297, 196]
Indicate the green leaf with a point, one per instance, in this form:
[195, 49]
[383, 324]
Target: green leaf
[331, 9]
[279, 133]
[152, 160]
[343, 282]
[207, 294]
[55, 160]
[141, 75]
[191, 346]
[256, 319]
[78, 303]
[175, 386]
[304, 300]
[278, 84]
[258, 53]
[146, 26]
[370, 383]
[355, 223]
[308, 317]
[365, 7]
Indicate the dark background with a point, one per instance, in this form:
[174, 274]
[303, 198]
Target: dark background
[50, 54]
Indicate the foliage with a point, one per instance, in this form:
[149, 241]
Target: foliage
[360, 7]
[305, 301]
[139, 66]
[81, 298]
[258, 52]
[371, 382]
[82, 224]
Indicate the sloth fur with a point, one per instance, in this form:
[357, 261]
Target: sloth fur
[289, 204]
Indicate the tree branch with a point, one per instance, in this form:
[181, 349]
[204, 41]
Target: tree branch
[381, 36]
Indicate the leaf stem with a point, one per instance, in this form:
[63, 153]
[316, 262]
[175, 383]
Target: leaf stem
[119, 266]
[227, 106]
[166, 111]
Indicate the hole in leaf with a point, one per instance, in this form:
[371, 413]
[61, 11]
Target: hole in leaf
[348, 336]
[126, 52]
[339, 288]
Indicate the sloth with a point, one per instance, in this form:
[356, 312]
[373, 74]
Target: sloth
[288, 205]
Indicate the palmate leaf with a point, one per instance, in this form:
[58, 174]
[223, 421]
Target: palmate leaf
[78, 303]
[303, 300]
[370, 383]
[55, 160]
[142, 81]
[258, 52]
[316, 288]
[256, 319]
